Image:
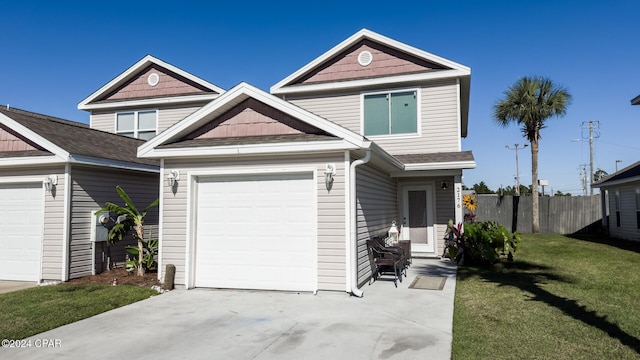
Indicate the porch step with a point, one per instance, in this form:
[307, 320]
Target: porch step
[424, 255]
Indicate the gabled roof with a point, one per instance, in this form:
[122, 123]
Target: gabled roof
[206, 91]
[441, 69]
[449, 68]
[62, 141]
[629, 174]
[635, 100]
[181, 139]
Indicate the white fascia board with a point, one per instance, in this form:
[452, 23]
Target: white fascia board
[36, 138]
[616, 182]
[254, 149]
[425, 173]
[149, 102]
[386, 81]
[145, 61]
[89, 160]
[31, 161]
[441, 165]
[233, 97]
[362, 34]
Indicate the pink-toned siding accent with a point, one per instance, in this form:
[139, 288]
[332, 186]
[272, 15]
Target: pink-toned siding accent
[10, 141]
[169, 84]
[386, 61]
[252, 118]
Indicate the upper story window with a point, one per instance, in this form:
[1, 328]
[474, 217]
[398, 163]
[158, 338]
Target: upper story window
[137, 124]
[390, 113]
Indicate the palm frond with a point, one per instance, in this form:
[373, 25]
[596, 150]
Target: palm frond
[127, 199]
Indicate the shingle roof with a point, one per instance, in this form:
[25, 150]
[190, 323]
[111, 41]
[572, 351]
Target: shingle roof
[79, 139]
[630, 171]
[435, 157]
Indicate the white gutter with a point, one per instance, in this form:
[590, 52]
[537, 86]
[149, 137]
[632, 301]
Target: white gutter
[353, 238]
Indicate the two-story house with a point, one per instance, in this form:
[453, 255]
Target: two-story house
[282, 190]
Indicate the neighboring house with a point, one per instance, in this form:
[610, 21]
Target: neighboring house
[262, 191]
[147, 98]
[621, 199]
[53, 174]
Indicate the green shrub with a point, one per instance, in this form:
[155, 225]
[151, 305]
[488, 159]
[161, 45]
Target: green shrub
[480, 243]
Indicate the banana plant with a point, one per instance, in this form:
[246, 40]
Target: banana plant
[129, 218]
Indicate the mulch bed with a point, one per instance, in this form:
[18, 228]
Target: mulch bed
[149, 279]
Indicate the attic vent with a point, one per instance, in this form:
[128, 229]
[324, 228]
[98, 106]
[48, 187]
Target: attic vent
[153, 79]
[365, 58]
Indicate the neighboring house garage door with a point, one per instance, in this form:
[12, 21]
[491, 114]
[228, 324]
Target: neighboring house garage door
[21, 224]
[256, 232]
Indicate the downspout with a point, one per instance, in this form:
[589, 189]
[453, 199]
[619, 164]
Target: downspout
[353, 238]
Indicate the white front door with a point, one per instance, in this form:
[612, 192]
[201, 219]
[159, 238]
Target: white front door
[418, 218]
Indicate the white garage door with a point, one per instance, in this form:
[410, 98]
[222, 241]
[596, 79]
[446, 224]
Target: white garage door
[256, 232]
[21, 223]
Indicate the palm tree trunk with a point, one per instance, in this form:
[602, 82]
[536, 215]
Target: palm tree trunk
[534, 187]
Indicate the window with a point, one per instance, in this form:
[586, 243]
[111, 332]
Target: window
[137, 124]
[638, 208]
[617, 207]
[390, 113]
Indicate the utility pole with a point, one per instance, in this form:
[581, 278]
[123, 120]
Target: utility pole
[516, 148]
[592, 125]
[617, 161]
[583, 178]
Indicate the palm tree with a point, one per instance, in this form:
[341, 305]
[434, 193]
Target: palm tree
[529, 103]
[129, 218]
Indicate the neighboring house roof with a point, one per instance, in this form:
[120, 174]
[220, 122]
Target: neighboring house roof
[55, 140]
[411, 65]
[150, 82]
[247, 120]
[438, 161]
[635, 100]
[629, 174]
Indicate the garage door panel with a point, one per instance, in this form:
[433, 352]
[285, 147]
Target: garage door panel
[264, 234]
[21, 225]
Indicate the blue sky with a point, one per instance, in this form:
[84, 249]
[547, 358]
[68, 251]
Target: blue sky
[57, 53]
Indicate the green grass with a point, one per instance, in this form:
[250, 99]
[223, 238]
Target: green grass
[31, 311]
[562, 298]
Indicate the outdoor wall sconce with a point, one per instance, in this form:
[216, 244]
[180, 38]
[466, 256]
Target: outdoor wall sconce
[174, 175]
[444, 185]
[329, 173]
[50, 182]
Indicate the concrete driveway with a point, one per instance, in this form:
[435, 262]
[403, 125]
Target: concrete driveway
[387, 323]
[9, 286]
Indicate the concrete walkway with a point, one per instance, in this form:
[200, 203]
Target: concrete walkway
[387, 323]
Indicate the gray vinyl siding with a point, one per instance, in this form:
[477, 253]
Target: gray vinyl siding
[440, 129]
[331, 231]
[106, 120]
[92, 187]
[628, 226]
[377, 207]
[53, 222]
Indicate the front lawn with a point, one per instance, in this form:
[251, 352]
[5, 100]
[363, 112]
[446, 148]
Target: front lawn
[562, 298]
[31, 311]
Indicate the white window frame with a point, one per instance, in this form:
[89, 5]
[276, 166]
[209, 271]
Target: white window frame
[418, 133]
[136, 124]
